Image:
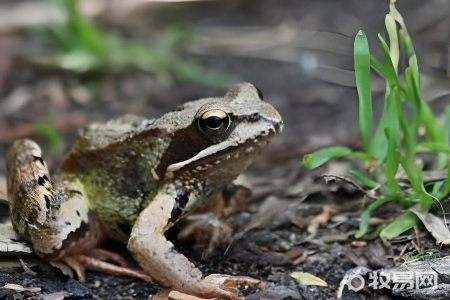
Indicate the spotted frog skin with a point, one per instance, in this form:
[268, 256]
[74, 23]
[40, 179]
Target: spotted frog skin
[131, 179]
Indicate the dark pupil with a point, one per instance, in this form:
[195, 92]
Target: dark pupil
[214, 122]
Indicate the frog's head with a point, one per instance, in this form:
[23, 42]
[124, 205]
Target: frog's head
[217, 138]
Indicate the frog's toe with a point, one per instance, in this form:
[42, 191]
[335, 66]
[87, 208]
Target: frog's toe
[105, 255]
[80, 263]
[230, 282]
[76, 266]
[225, 286]
[176, 295]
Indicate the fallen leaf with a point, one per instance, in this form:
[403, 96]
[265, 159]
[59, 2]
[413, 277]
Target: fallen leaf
[26, 268]
[435, 225]
[323, 217]
[20, 289]
[55, 296]
[308, 279]
[9, 244]
[359, 244]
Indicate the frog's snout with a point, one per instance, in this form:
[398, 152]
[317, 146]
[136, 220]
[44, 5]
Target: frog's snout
[272, 117]
[279, 127]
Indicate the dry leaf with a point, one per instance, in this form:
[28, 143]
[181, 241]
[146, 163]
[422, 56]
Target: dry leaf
[435, 225]
[323, 217]
[55, 296]
[359, 244]
[26, 268]
[9, 243]
[20, 289]
[308, 279]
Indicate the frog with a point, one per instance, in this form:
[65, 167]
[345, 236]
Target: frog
[131, 179]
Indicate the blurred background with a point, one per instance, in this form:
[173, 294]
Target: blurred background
[66, 63]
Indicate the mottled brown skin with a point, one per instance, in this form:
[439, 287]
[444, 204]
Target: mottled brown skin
[134, 178]
[54, 216]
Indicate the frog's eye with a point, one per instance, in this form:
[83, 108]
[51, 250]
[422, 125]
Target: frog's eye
[214, 122]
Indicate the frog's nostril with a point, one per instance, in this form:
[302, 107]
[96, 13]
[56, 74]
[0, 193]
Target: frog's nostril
[279, 126]
[254, 117]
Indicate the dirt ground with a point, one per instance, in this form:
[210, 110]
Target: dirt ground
[299, 53]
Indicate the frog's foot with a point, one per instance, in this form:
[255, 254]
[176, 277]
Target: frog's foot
[96, 260]
[169, 268]
[216, 220]
[231, 283]
[221, 283]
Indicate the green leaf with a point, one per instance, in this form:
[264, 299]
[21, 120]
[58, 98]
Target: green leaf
[414, 173]
[364, 179]
[365, 215]
[392, 131]
[446, 128]
[391, 73]
[403, 32]
[433, 147]
[446, 187]
[49, 132]
[362, 74]
[318, 158]
[402, 223]
[377, 66]
[88, 36]
[379, 145]
[394, 51]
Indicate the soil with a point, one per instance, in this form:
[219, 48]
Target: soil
[299, 53]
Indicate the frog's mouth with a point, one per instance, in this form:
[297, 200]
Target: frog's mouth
[229, 150]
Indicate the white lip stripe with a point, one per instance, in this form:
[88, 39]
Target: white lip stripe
[202, 154]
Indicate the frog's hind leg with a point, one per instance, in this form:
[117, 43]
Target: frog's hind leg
[54, 216]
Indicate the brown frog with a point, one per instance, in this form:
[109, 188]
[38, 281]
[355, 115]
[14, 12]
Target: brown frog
[131, 179]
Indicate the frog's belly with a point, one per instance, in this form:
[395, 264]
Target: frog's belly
[117, 215]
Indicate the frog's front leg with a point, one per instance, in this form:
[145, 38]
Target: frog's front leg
[157, 256]
[54, 216]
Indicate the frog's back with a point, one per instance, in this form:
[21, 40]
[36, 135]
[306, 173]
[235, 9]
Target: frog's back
[116, 162]
[200, 146]
[121, 163]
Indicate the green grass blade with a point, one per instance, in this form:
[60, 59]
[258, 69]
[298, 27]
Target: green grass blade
[88, 36]
[49, 133]
[446, 128]
[318, 158]
[403, 32]
[446, 188]
[402, 223]
[379, 145]
[415, 176]
[433, 147]
[394, 51]
[392, 131]
[364, 179]
[362, 74]
[377, 66]
[392, 160]
[391, 73]
[406, 41]
[365, 216]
